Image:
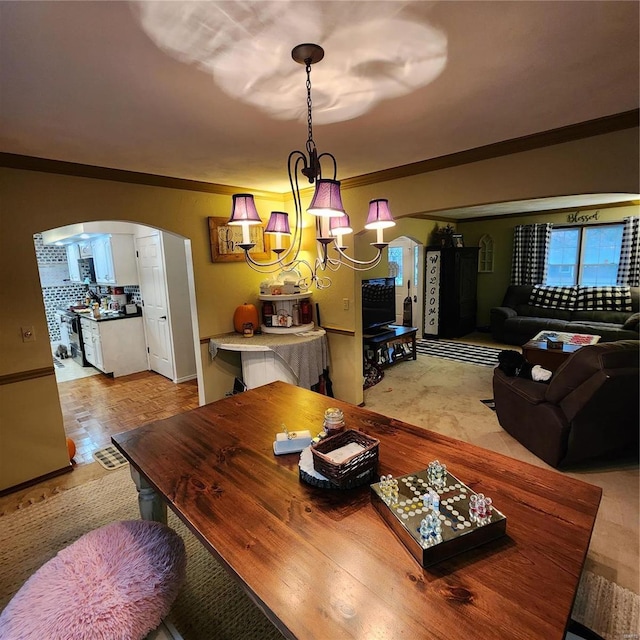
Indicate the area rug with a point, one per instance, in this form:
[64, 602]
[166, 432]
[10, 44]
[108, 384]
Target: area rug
[110, 458]
[211, 605]
[458, 351]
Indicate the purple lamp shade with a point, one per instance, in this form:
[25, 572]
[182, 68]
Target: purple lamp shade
[326, 201]
[243, 211]
[278, 223]
[340, 226]
[379, 215]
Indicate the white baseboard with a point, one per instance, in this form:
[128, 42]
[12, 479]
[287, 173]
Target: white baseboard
[185, 378]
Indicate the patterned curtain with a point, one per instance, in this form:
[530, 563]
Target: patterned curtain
[629, 266]
[530, 249]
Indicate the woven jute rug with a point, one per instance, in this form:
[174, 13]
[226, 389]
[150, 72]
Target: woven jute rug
[211, 605]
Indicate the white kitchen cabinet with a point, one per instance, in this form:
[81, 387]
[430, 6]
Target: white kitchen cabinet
[115, 346]
[84, 248]
[114, 259]
[73, 255]
[91, 343]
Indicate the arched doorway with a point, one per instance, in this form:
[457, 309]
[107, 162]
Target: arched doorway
[164, 273]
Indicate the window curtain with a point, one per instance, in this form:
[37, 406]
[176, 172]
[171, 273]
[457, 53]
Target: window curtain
[530, 249]
[629, 266]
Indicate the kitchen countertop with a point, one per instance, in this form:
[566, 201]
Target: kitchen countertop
[109, 316]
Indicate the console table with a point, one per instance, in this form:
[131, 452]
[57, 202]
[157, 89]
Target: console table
[299, 358]
[392, 345]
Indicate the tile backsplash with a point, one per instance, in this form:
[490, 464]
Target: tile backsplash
[58, 292]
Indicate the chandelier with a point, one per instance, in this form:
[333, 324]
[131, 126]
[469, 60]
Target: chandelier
[332, 222]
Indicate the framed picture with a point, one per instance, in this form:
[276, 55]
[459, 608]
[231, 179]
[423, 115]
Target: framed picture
[457, 240]
[224, 240]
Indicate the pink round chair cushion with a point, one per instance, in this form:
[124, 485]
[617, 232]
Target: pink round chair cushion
[118, 581]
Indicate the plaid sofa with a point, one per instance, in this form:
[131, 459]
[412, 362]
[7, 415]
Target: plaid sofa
[609, 312]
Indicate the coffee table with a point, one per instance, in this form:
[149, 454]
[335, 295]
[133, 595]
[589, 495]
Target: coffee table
[322, 563]
[537, 352]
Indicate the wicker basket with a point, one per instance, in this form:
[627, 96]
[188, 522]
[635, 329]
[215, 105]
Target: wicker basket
[344, 473]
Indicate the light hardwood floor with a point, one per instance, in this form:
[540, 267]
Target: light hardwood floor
[96, 407]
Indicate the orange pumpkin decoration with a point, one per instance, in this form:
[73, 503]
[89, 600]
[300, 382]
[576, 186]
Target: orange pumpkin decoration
[243, 314]
[71, 448]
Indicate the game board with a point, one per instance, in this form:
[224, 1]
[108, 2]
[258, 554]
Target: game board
[461, 527]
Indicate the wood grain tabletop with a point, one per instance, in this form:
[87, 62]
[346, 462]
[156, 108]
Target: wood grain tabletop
[322, 563]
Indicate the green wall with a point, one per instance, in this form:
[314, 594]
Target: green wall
[492, 286]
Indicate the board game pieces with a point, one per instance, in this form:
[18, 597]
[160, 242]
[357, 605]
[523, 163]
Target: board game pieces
[434, 514]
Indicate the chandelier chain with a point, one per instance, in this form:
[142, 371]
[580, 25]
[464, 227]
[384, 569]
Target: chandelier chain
[310, 143]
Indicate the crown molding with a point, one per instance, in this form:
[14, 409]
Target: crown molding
[588, 129]
[46, 165]
[547, 212]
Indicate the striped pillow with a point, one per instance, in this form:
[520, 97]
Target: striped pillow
[604, 298]
[554, 297]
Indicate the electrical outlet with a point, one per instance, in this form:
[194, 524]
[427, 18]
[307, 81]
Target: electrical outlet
[345, 304]
[28, 334]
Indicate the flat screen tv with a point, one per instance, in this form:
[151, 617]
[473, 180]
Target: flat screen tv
[378, 303]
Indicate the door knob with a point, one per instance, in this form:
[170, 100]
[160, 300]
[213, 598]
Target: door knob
[163, 318]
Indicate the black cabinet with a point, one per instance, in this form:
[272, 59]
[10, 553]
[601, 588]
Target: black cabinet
[450, 300]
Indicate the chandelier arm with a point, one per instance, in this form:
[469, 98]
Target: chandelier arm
[322, 281]
[375, 260]
[296, 241]
[297, 201]
[365, 268]
[333, 159]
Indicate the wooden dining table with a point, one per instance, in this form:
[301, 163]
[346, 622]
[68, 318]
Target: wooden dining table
[321, 563]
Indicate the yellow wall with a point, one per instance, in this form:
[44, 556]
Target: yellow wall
[35, 201]
[32, 439]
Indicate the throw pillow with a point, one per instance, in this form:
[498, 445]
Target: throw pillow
[553, 297]
[604, 299]
[632, 322]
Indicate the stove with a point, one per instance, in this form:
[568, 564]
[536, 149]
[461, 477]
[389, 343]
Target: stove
[71, 335]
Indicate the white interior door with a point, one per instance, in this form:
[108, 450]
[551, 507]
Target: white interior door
[155, 311]
[406, 254]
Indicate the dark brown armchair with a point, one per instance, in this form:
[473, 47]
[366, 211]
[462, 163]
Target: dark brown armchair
[589, 409]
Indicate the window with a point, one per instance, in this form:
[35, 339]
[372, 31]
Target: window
[485, 255]
[395, 256]
[584, 255]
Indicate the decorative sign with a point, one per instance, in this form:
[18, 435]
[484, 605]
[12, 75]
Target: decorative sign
[432, 293]
[582, 217]
[225, 239]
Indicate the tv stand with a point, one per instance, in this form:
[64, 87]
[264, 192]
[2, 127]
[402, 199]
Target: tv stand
[379, 333]
[390, 344]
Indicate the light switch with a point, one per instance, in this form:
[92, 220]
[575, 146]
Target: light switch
[345, 304]
[28, 334]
